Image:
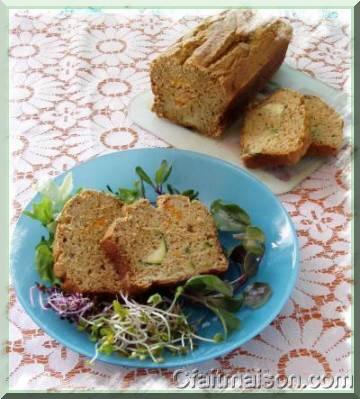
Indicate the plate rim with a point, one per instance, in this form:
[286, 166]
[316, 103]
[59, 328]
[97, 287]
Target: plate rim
[135, 363]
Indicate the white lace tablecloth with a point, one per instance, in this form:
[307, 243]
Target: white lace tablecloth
[72, 75]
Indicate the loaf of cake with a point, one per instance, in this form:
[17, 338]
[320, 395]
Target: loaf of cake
[210, 72]
[164, 245]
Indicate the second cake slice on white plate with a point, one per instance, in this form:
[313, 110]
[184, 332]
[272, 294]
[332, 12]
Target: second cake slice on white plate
[275, 130]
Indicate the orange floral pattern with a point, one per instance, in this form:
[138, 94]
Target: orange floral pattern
[72, 77]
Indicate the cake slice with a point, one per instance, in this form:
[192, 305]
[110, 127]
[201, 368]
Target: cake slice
[275, 130]
[164, 245]
[201, 80]
[79, 261]
[326, 127]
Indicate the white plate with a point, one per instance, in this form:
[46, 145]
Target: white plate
[279, 180]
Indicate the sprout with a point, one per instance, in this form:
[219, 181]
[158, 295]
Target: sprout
[129, 328]
[71, 306]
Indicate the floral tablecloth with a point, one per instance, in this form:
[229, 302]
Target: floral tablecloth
[72, 75]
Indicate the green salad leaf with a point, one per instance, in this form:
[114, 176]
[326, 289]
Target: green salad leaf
[248, 254]
[172, 190]
[257, 294]
[57, 194]
[144, 176]
[127, 195]
[229, 217]
[131, 195]
[44, 261]
[208, 283]
[42, 211]
[52, 201]
[251, 264]
[163, 173]
[217, 295]
[227, 319]
[192, 194]
[253, 240]
[231, 304]
[46, 211]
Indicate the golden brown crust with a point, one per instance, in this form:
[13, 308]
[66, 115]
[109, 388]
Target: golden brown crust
[321, 150]
[263, 160]
[222, 40]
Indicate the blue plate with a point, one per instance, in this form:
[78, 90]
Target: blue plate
[214, 179]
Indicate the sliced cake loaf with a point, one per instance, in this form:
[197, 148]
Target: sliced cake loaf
[164, 245]
[326, 127]
[275, 130]
[202, 79]
[79, 260]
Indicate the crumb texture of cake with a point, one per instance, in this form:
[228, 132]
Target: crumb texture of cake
[326, 127]
[79, 260]
[275, 130]
[164, 245]
[202, 79]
